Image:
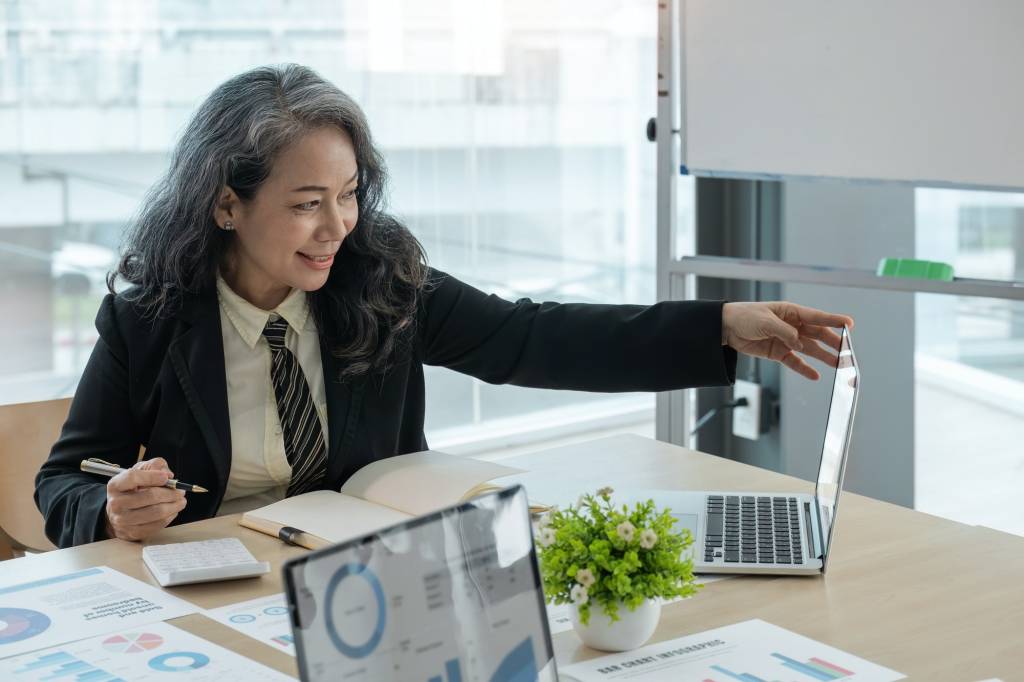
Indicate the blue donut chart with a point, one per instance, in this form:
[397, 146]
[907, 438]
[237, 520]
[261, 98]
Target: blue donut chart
[355, 650]
[242, 618]
[19, 624]
[167, 663]
[276, 610]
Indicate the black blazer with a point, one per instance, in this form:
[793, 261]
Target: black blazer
[161, 383]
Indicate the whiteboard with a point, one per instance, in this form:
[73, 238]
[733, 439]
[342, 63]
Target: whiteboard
[926, 91]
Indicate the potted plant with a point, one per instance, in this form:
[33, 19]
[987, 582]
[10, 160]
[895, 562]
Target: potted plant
[613, 565]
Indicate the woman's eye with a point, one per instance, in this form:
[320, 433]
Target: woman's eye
[350, 195]
[308, 205]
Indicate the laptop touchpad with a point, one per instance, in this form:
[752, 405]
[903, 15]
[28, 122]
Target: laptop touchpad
[687, 521]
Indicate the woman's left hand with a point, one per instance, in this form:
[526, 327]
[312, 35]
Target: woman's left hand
[779, 330]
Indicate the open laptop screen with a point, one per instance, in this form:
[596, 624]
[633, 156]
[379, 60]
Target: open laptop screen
[446, 597]
[837, 438]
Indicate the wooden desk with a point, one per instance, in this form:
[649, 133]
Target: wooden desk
[932, 598]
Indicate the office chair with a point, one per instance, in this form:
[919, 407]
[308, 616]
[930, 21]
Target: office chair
[27, 432]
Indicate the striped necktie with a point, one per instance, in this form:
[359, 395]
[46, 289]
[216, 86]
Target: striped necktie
[303, 436]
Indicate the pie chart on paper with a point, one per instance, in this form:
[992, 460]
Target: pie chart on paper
[132, 642]
[19, 624]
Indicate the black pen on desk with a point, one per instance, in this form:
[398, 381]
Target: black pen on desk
[290, 535]
[98, 466]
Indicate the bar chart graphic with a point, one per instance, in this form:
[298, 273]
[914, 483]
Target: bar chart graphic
[60, 665]
[452, 671]
[518, 666]
[813, 668]
[750, 651]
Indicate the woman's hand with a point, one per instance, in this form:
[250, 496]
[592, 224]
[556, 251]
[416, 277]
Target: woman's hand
[778, 330]
[137, 503]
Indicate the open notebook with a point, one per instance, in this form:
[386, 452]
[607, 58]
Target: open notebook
[381, 494]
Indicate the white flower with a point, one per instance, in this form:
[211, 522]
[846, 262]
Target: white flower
[544, 521]
[581, 501]
[625, 531]
[546, 537]
[585, 577]
[648, 538]
[605, 491]
[579, 595]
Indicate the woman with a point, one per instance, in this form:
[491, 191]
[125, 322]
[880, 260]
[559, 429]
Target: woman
[275, 336]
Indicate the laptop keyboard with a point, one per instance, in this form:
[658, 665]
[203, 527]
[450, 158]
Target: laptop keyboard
[753, 530]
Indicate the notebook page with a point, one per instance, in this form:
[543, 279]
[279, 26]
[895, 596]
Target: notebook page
[329, 515]
[421, 482]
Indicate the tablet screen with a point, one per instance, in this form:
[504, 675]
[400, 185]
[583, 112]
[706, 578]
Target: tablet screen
[452, 596]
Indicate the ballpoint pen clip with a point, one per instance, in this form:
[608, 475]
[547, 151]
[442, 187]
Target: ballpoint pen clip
[97, 460]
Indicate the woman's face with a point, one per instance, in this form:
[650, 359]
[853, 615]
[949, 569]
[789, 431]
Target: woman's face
[288, 233]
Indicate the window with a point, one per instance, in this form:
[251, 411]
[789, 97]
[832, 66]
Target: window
[941, 412]
[514, 132]
[969, 362]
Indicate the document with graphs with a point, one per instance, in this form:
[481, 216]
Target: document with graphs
[64, 607]
[751, 651]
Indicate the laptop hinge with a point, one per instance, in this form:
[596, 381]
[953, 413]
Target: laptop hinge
[813, 530]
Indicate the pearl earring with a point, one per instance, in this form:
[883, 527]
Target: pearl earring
[228, 225]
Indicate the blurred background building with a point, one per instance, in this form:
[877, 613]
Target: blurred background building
[514, 133]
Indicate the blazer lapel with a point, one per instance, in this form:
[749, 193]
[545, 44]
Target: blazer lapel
[198, 359]
[344, 402]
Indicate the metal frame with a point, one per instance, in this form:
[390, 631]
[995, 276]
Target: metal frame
[774, 271]
[672, 411]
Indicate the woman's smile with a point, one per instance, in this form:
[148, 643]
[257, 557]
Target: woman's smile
[317, 262]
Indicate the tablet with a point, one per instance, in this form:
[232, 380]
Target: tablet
[451, 596]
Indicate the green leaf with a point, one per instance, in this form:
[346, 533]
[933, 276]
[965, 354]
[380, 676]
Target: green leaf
[587, 537]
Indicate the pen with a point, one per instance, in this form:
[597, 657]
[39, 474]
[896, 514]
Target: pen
[98, 466]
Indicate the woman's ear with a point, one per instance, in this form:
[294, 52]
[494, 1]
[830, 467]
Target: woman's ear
[226, 212]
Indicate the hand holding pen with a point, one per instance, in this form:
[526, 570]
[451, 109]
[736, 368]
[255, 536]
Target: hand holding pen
[94, 465]
[141, 500]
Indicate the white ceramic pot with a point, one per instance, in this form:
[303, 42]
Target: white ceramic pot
[631, 630]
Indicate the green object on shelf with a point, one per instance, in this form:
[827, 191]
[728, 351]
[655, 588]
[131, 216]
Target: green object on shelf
[915, 269]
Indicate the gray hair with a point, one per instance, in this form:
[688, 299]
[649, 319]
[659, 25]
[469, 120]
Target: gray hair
[174, 247]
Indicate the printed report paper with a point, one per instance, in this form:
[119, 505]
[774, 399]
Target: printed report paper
[751, 651]
[70, 606]
[264, 619]
[144, 654]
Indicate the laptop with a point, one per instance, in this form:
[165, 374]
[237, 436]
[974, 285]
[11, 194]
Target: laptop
[773, 532]
[451, 596]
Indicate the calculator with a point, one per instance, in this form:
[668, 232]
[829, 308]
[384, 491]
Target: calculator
[181, 563]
